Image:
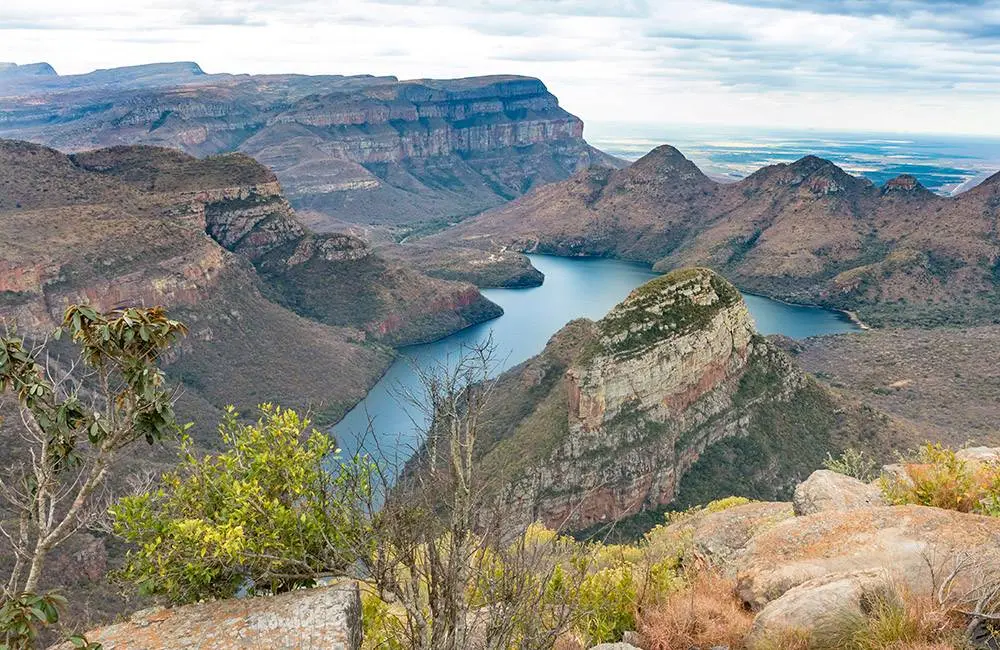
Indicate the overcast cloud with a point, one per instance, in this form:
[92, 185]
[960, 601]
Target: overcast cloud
[884, 65]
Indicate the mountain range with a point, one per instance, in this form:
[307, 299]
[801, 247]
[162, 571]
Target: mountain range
[358, 149]
[804, 232]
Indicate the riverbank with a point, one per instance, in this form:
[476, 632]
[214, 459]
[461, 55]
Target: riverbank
[573, 288]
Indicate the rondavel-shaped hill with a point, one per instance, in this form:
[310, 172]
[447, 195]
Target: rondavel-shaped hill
[672, 399]
[805, 232]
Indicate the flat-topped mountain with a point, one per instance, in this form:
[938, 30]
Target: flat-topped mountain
[806, 232]
[276, 311]
[362, 148]
[670, 399]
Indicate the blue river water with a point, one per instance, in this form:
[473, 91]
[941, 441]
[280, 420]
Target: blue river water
[573, 288]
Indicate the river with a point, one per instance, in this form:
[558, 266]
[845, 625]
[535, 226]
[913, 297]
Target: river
[573, 288]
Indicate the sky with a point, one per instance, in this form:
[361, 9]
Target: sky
[917, 66]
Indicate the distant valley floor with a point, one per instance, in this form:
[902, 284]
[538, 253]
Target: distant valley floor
[945, 381]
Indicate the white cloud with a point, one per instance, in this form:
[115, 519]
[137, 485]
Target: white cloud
[902, 65]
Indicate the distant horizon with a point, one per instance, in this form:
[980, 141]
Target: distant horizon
[899, 66]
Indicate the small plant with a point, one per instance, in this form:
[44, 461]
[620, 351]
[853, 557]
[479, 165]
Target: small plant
[853, 462]
[704, 613]
[22, 619]
[941, 479]
[902, 621]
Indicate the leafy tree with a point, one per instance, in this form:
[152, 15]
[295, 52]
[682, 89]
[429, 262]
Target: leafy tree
[72, 444]
[269, 513]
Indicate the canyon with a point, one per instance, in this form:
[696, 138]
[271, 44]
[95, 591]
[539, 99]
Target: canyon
[214, 240]
[671, 399]
[804, 232]
[346, 149]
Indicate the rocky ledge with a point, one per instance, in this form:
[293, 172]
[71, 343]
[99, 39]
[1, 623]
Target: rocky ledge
[811, 572]
[325, 617]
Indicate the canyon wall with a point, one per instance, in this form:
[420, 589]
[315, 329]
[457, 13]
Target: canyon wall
[672, 397]
[362, 149]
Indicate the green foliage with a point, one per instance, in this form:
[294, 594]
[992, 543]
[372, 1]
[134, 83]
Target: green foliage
[269, 513]
[542, 576]
[121, 345]
[608, 599]
[854, 463]
[22, 619]
[382, 629]
[940, 479]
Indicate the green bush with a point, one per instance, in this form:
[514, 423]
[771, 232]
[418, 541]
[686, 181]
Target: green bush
[940, 479]
[854, 463]
[267, 514]
[22, 619]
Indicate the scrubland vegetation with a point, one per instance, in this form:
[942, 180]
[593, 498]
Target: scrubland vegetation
[441, 561]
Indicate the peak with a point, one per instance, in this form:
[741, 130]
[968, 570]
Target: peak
[811, 164]
[903, 183]
[41, 69]
[663, 152]
[662, 162]
[818, 175]
[668, 307]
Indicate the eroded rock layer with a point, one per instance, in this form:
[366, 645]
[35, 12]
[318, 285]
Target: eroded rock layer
[362, 148]
[671, 398]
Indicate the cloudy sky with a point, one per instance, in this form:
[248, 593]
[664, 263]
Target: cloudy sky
[880, 65]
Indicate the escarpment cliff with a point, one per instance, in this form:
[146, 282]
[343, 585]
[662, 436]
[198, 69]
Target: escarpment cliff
[670, 399]
[364, 149]
[214, 241]
[334, 278]
[805, 232]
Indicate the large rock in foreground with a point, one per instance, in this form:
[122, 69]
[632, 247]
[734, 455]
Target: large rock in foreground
[326, 617]
[912, 543]
[826, 490]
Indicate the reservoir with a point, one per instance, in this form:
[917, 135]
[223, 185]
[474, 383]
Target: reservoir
[573, 288]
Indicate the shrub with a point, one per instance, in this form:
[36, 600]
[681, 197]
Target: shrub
[607, 600]
[266, 514]
[941, 479]
[382, 627]
[904, 622]
[23, 618]
[704, 613]
[854, 463]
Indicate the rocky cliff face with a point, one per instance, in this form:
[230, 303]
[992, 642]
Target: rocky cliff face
[214, 241]
[805, 232]
[334, 278]
[365, 149]
[671, 398]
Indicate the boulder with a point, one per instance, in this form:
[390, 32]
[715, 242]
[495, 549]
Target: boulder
[913, 543]
[979, 454]
[324, 617]
[822, 609]
[827, 490]
[719, 538]
[615, 646]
